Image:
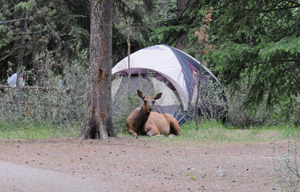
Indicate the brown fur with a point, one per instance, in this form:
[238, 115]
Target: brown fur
[142, 121]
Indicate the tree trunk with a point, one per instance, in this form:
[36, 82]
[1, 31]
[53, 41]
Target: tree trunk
[128, 55]
[21, 62]
[181, 6]
[164, 8]
[98, 121]
[196, 109]
[22, 50]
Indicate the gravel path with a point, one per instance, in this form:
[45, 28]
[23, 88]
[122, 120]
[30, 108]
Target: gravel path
[144, 164]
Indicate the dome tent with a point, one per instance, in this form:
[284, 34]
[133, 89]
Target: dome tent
[162, 68]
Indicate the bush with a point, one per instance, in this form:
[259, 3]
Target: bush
[48, 100]
[241, 114]
[297, 111]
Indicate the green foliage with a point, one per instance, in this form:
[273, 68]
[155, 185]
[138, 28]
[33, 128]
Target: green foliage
[284, 48]
[25, 5]
[132, 16]
[162, 34]
[63, 27]
[258, 40]
[60, 26]
[253, 41]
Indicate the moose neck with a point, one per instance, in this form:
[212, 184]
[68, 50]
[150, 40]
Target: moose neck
[144, 115]
[141, 120]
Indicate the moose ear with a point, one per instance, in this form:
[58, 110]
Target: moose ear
[140, 94]
[158, 96]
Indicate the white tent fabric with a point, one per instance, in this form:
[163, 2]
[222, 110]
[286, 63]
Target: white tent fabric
[168, 97]
[158, 58]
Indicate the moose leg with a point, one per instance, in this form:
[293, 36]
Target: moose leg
[133, 133]
[174, 125]
[175, 128]
[151, 133]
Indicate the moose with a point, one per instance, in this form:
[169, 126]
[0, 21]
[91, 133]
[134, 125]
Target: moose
[144, 121]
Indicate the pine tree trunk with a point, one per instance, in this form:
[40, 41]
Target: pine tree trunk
[181, 6]
[98, 121]
[128, 56]
[196, 109]
[22, 50]
[18, 99]
[164, 8]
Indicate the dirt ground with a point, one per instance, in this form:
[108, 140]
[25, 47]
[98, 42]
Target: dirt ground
[144, 164]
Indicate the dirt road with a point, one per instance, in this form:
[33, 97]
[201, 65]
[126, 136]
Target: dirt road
[128, 164]
[22, 178]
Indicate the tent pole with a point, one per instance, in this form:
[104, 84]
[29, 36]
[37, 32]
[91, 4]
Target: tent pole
[128, 52]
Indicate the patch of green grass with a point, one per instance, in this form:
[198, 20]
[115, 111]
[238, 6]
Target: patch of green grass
[215, 132]
[212, 131]
[192, 177]
[209, 132]
[36, 130]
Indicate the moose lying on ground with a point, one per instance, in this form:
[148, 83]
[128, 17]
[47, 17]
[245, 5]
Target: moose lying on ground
[143, 121]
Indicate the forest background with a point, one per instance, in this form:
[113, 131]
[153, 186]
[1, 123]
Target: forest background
[253, 47]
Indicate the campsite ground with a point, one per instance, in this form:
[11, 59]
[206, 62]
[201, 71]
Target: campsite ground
[144, 164]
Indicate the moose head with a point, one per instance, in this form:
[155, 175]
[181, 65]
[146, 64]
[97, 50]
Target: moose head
[149, 101]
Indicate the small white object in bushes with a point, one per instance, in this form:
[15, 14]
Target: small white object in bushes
[12, 81]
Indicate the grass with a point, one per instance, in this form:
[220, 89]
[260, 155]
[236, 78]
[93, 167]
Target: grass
[209, 132]
[212, 131]
[40, 130]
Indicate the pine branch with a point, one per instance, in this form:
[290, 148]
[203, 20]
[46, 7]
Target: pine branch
[11, 21]
[279, 9]
[10, 53]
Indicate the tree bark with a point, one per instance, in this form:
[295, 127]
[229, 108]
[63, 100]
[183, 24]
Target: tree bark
[128, 55]
[21, 62]
[196, 109]
[164, 8]
[22, 50]
[181, 6]
[98, 121]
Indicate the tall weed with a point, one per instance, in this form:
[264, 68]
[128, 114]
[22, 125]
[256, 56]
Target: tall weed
[287, 168]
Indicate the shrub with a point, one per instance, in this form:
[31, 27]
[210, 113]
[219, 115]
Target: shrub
[297, 111]
[242, 114]
[57, 99]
